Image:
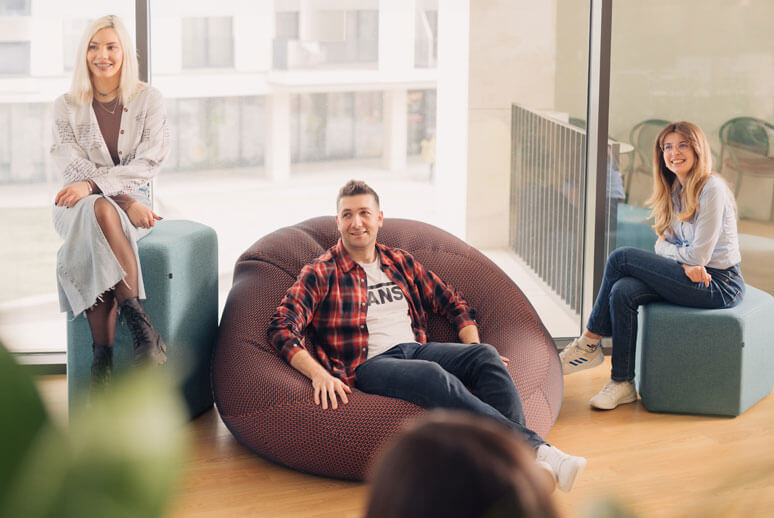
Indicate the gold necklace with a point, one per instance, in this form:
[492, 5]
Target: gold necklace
[115, 105]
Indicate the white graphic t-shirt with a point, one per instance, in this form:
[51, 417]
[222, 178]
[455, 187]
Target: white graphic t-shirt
[388, 320]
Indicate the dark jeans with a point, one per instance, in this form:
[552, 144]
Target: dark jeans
[634, 277]
[436, 375]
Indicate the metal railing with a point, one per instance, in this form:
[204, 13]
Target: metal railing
[548, 183]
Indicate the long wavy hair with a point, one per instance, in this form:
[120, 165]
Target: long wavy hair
[665, 181]
[82, 88]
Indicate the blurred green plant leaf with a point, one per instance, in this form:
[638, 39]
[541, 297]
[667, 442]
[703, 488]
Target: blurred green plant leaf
[22, 416]
[608, 508]
[120, 457]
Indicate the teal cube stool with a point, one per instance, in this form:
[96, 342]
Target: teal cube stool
[179, 262]
[706, 361]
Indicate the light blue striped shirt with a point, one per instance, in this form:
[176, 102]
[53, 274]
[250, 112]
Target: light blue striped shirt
[710, 237]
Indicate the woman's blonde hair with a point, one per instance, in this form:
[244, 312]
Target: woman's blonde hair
[665, 181]
[82, 89]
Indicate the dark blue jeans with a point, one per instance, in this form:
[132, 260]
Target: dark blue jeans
[634, 277]
[454, 376]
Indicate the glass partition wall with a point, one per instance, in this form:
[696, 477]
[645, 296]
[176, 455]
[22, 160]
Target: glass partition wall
[713, 67]
[548, 157]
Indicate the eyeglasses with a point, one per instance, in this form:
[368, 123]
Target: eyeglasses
[683, 147]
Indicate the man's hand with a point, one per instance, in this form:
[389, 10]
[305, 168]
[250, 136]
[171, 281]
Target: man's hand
[327, 387]
[141, 216]
[469, 335]
[697, 274]
[72, 194]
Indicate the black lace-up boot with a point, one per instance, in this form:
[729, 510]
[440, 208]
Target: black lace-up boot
[101, 367]
[148, 345]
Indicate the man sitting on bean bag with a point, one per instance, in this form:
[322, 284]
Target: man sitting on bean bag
[366, 304]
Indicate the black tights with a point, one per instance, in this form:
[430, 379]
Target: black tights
[102, 316]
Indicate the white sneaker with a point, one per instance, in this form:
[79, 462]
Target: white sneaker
[614, 393]
[577, 357]
[566, 468]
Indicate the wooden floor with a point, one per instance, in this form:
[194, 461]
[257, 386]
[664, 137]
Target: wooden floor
[655, 464]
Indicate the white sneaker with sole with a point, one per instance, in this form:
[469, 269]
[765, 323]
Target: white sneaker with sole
[577, 357]
[566, 468]
[614, 393]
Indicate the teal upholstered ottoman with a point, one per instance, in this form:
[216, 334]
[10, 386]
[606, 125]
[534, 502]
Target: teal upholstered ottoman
[706, 361]
[179, 262]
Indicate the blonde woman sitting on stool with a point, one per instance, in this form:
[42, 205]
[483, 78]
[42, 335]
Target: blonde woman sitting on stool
[110, 138]
[696, 262]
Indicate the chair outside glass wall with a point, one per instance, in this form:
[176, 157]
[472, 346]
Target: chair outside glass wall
[746, 151]
[643, 137]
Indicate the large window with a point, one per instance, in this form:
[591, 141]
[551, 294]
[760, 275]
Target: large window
[34, 70]
[250, 128]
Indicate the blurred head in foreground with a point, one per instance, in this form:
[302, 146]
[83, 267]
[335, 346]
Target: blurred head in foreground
[452, 464]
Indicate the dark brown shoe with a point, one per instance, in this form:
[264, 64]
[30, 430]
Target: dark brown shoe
[148, 345]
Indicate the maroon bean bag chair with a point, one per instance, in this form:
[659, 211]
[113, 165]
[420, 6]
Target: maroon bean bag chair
[268, 405]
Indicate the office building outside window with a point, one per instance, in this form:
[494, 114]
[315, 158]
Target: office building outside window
[208, 42]
[350, 40]
[15, 8]
[14, 58]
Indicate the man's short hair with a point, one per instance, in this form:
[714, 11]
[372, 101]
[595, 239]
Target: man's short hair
[355, 188]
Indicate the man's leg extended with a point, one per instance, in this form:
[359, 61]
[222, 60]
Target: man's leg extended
[423, 379]
[481, 369]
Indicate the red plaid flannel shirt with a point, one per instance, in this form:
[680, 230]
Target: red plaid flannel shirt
[330, 298]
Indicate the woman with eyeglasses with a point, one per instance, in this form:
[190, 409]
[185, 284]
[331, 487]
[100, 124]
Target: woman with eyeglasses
[110, 138]
[696, 260]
